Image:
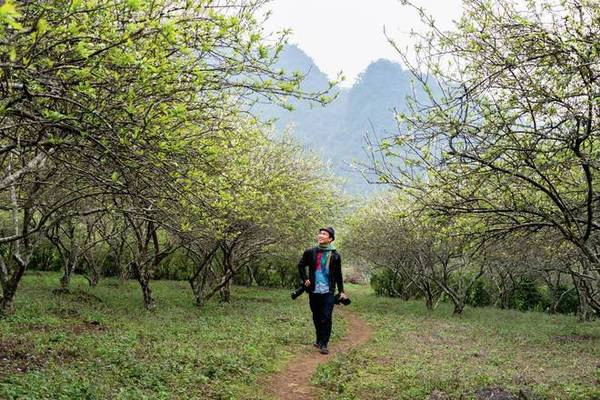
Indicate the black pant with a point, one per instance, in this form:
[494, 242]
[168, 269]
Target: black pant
[321, 306]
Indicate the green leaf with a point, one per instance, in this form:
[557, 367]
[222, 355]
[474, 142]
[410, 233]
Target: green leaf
[42, 26]
[262, 52]
[9, 13]
[134, 4]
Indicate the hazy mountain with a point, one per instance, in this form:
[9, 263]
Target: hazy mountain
[337, 130]
[309, 122]
[379, 90]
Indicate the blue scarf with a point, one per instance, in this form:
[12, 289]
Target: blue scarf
[322, 271]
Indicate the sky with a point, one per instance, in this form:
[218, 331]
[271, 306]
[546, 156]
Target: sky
[347, 35]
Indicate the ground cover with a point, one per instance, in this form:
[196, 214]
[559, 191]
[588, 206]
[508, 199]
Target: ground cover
[100, 343]
[416, 354]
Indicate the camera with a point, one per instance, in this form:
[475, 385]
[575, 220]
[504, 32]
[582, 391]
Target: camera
[345, 301]
[297, 292]
[301, 289]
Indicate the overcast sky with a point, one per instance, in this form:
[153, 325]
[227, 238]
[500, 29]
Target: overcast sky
[347, 35]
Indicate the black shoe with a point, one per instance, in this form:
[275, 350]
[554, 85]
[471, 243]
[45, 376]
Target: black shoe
[323, 350]
[316, 345]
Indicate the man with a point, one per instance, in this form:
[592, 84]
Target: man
[324, 273]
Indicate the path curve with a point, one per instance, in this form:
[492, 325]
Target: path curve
[294, 381]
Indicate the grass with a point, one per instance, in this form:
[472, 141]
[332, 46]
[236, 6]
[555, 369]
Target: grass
[415, 352]
[100, 343]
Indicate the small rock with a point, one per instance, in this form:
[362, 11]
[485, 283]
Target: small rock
[438, 395]
[527, 394]
[494, 394]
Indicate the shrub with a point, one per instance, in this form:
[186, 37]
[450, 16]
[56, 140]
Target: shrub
[479, 294]
[569, 303]
[176, 266]
[386, 282]
[45, 257]
[528, 296]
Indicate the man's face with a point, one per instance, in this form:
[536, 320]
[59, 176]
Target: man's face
[323, 237]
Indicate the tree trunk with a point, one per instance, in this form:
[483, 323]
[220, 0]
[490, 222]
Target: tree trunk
[584, 313]
[10, 282]
[199, 301]
[9, 288]
[425, 289]
[70, 263]
[225, 292]
[94, 271]
[7, 301]
[429, 303]
[65, 280]
[251, 276]
[144, 281]
[93, 279]
[198, 293]
[458, 308]
[457, 298]
[149, 302]
[198, 283]
[504, 299]
[458, 301]
[198, 279]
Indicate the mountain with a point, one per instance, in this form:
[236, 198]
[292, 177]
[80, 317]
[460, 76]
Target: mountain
[379, 90]
[309, 122]
[337, 131]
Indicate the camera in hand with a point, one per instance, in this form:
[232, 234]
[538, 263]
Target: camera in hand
[301, 289]
[297, 292]
[346, 301]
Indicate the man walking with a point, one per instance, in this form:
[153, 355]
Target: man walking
[324, 273]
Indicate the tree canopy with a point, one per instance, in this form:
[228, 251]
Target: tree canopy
[139, 111]
[512, 137]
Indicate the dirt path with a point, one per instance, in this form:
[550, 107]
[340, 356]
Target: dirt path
[294, 381]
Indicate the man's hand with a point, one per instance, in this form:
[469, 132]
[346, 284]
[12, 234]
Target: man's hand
[307, 283]
[343, 296]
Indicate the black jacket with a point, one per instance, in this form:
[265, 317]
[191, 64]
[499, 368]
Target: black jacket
[309, 259]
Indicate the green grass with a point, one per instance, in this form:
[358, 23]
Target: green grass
[415, 352]
[100, 343]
